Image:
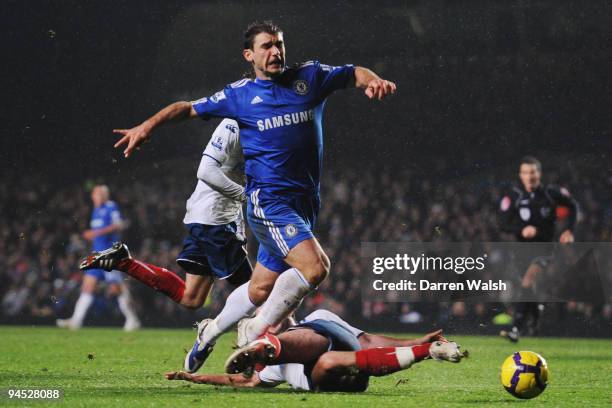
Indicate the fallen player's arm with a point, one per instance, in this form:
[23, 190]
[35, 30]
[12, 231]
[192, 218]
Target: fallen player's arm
[375, 86]
[137, 135]
[210, 173]
[232, 380]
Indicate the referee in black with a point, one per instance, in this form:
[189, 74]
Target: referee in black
[532, 213]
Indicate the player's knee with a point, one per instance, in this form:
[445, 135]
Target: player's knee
[318, 269]
[326, 265]
[191, 304]
[115, 289]
[191, 300]
[259, 292]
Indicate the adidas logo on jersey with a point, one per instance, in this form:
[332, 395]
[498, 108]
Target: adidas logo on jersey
[256, 99]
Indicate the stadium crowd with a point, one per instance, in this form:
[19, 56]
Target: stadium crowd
[40, 241]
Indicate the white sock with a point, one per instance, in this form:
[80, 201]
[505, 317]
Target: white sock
[126, 307]
[289, 290]
[237, 306]
[405, 356]
[80, 309]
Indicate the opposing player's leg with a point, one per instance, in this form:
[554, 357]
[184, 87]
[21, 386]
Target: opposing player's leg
[209, 252]
[309, 258]
[86, 298]
[309, 267]
[526, 314]
[124, 300]
[197, 288]
[346, 371]
[120, 290]
[241, 303]
[212, 252]
[263, 280]
[118, 257]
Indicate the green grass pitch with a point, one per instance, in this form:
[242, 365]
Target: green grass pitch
[126, 369]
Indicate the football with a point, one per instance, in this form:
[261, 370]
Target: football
[524, 374]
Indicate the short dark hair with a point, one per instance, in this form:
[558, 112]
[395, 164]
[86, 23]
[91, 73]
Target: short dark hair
[531, 160]
[257, 27]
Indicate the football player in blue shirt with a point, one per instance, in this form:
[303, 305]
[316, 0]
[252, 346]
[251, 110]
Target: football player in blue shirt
[106, 223]
[279, 114]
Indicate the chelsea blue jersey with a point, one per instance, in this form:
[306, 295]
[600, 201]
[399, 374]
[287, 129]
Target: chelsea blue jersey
[280, 124]
[103, 216]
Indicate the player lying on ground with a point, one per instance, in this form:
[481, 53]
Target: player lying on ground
[325, 353]
[214, 247]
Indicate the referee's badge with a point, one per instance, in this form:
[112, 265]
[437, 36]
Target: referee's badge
[525, 214]
[291, 230]
[300, 87]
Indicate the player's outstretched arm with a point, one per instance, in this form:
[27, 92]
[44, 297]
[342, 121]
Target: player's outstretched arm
[137, 135]
[232, 380]
[375, 86]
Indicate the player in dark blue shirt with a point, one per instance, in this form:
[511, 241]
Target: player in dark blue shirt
[105, 226]
[531, 212]
[279, 113]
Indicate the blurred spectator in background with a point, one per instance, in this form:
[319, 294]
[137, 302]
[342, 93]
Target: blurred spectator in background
[105, 226]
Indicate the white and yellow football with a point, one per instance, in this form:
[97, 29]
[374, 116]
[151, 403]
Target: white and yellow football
[524, 374]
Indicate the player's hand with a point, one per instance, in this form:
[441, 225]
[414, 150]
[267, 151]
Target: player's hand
[379, 88]
[177, 375]
[433, 336]
[566, 237]
[529, 232]
[89, 235]
[530, 276]
[133, 137]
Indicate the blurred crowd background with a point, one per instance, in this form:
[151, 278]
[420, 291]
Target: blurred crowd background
[480, 84]
[41, 241]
